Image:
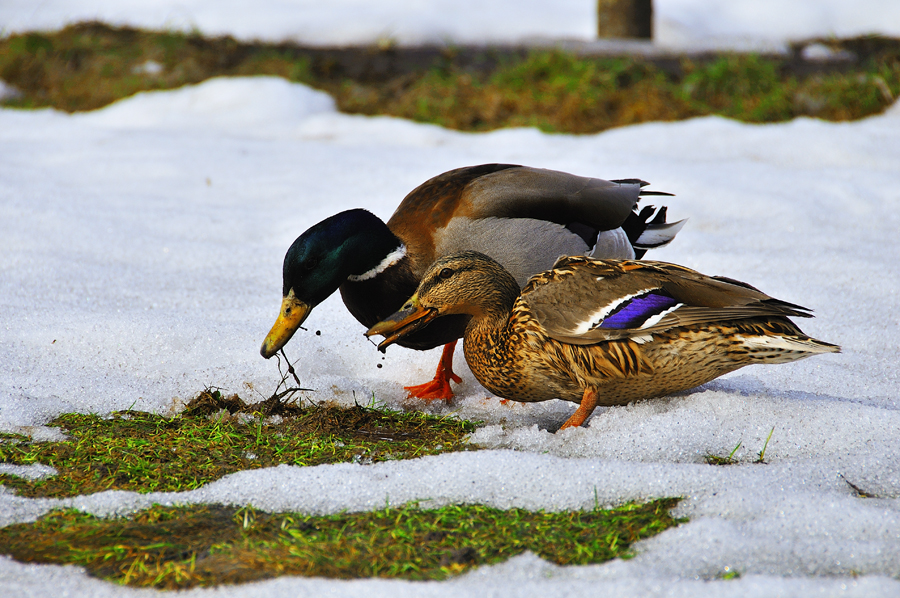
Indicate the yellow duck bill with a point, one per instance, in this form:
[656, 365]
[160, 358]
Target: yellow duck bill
[402, 323]
[293, 313]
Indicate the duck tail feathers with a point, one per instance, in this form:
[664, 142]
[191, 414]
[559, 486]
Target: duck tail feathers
[641, 183]
[785, 349]
[658, 235]
[648, 229]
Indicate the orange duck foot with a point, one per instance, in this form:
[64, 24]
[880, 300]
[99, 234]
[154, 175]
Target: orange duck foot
[439, 388]
[589, 401]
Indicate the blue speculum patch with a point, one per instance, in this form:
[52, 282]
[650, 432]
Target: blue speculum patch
[637, 311]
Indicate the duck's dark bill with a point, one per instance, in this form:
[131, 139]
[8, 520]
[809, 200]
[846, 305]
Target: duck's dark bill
[293, 313]
[400, 324]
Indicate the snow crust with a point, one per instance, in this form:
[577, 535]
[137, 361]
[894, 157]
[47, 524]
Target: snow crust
[140, 260]
[141, 256]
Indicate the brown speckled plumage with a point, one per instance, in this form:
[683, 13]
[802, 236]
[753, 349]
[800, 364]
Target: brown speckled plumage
[616, 331]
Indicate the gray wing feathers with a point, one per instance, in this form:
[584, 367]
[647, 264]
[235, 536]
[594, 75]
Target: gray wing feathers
[503, 240]
[550, 195]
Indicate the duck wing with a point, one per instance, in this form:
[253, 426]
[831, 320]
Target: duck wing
[511, 191]
[584, 301]
[552, 196]
[523, 217]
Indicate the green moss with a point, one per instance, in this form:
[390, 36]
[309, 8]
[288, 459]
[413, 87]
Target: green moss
[204, 545]
[132, 450]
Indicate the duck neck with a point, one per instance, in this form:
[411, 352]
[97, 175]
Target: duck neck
[490, 330]
[491, 324]
[487, 348]
[370, 246]
[378, 277]
[392, 258]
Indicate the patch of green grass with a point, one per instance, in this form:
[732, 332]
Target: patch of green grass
[181, 547]
[728, 573]
[89, 65]
[730, 460]
[753, 89]
[761, 456]
[554, 91]
[133, 450]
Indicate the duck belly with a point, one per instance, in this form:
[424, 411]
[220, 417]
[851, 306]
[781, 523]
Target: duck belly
[625, 371]
[685, 358]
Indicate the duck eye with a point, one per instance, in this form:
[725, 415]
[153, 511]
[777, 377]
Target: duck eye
[446, 273]
[309, 264]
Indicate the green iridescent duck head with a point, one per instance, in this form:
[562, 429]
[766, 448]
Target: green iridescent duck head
[320, 260]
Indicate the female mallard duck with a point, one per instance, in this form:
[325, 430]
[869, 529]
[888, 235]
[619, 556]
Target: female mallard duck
[601, 332]
[523, 217]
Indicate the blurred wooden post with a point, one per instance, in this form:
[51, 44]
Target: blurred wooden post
[625, 18]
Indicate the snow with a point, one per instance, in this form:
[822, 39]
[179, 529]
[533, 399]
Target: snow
[761, 24]
[140, 261]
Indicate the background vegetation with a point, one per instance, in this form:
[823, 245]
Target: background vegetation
[87, 66]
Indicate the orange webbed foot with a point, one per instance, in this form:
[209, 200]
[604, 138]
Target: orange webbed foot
[588, 403]
[439, 388]
[430, 391]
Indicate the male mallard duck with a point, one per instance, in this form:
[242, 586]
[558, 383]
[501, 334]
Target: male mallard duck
[601, 332]
[523, 217]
